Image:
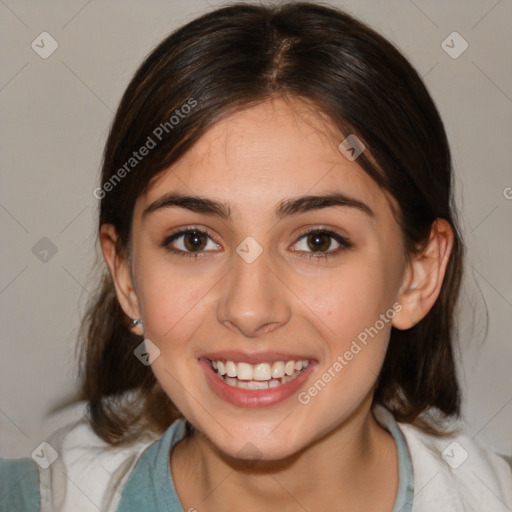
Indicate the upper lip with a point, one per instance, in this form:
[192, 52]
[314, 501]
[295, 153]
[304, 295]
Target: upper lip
[254, 357]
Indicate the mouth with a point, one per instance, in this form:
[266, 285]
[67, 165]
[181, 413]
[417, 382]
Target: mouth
[244, 375]
[264, 381]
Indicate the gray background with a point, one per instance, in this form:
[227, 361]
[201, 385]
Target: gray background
[55, 117]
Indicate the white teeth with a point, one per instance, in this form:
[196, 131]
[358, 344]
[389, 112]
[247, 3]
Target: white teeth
[245, 371]
[230, 369]
[253, 384]
[289, 368]
[278, 370]
[262, 371]
[258, 376]
[232, 382]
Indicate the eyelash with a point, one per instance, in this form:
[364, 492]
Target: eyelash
[179, 233]
[344, 242]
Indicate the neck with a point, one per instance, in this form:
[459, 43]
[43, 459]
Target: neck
[353, 467]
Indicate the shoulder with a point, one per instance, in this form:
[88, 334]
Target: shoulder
[457, 473]
[77, 471]
[150, 485]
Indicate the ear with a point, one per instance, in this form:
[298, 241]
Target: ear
[119, 268]
[424, 276]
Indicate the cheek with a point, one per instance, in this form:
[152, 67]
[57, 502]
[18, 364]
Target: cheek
[172, 303]
[174, 306]
[356, 322]
[348, 300]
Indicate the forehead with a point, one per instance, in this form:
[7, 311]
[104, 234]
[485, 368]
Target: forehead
[260, 155]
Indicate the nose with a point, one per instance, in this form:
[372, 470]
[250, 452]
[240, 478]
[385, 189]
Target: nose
[253, 301]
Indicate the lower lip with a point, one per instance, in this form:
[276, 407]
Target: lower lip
[256, 397]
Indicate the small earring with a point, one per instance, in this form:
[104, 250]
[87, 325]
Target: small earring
[136, 322]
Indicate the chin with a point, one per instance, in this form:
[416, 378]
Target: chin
[263, 444]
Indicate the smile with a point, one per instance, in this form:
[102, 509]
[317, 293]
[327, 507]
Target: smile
[258, 376]
[256, 380]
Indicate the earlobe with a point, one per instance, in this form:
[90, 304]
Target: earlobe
[119, 268]
[424, 276]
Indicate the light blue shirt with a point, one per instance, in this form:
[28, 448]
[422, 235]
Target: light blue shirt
[150, 486]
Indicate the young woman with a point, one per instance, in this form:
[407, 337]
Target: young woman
[275, 329]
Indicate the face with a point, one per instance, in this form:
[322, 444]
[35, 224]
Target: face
[278, 291]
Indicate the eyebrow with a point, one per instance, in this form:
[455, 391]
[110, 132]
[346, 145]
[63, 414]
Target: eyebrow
[285, 208]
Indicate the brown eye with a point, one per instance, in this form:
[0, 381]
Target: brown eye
[194, 241]
[319, 242]
[190, 241]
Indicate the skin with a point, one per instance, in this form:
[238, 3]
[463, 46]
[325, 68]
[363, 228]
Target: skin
[329, 454]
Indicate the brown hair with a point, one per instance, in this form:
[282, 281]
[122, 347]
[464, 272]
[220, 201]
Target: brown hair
[235, 57]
